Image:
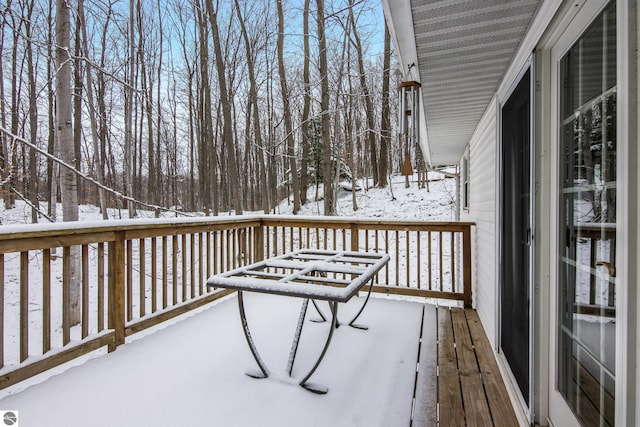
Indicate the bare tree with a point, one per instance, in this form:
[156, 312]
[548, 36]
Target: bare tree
[52, 175]
[306, 110]
[327, 158]
[4, 146]
[129, 155]
[385, 125]
[227, 127]
[68, 181]
[287, 112]
[97, 162]
[253, 100]
[32, 183]
[371, 136]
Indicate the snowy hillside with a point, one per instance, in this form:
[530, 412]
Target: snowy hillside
[437, 204]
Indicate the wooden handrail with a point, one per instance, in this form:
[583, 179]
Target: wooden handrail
[155, 270]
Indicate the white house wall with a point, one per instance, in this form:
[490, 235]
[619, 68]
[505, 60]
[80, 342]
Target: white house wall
[482, 210]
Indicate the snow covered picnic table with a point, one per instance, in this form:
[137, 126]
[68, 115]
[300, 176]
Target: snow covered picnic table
[310, 274]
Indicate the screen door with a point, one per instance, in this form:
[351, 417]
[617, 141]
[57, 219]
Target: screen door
[516, 232]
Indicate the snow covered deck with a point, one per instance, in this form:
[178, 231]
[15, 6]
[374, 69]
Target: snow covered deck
[190, 371]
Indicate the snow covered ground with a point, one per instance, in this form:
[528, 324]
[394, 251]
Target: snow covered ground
[397, 202]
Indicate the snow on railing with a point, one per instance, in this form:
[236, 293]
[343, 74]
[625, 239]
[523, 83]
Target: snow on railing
[69, 289]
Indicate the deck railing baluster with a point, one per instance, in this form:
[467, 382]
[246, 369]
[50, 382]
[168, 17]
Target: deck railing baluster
[85, 291]
[165, 272]
[142, 288]
[201, 262]
[129, 280]
[174, 270]
[24, 305]
[440, 263]
[418, 261]
[46, 300]
[183, 256]
[192, 276]
[154, 275]
[453, 263]
[100, 279]
[66, 295]
[407, 257]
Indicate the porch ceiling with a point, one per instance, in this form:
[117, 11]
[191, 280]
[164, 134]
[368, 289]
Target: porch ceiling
[461, 51]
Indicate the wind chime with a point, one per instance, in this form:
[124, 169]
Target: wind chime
[409, 122]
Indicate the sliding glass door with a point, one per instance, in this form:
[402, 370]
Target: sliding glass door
[587, 223]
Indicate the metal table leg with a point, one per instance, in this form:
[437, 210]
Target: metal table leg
[296, 337]
[352, 322]
[313, 387]
[253, 373]
[320, 313]
[357, 325]
[263, 372]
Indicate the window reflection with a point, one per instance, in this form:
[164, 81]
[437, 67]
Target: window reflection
[588, 217]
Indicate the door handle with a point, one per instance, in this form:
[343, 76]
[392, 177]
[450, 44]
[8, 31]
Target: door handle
[610, 267]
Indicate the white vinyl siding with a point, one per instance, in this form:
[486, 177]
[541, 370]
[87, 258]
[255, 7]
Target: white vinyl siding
[482, 210]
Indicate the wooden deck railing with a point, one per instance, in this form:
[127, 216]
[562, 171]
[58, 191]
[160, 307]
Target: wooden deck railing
[133, 275]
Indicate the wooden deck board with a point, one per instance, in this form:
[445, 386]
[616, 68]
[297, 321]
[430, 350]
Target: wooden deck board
[449, 394]
[474, 398]
[496, 392]
[470, 389]
[426, 399]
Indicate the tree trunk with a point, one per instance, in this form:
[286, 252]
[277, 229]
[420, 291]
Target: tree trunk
[103, 124]
[157, 177]
[52, 177]
[324, 107]
[68, 180]
[4, 146]
[253, 99]
[287, 112]
[97, 163]
[371, 136]
[205, 126]
[227, 130]
[306, 109]
[129, 141]
[349, 130]
[385, 125]
[32, 184]
[77, 107]
[10, 166]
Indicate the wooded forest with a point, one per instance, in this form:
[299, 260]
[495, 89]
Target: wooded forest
[193, 105]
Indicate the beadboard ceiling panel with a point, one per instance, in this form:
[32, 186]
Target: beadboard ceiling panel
[463, 48]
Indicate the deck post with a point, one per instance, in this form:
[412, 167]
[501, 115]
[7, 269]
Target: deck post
[466, 269]
[117, 289]
[355, 238]
[258, 242]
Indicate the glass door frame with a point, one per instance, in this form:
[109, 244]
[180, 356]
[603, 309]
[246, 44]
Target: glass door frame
[627, 209]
